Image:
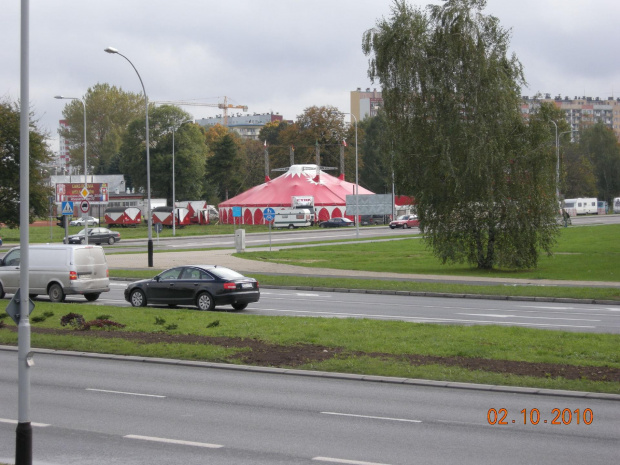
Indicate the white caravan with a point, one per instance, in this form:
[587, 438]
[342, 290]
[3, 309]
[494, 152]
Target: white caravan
[581, 206]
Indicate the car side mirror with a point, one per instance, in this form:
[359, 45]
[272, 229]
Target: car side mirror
[156, 278]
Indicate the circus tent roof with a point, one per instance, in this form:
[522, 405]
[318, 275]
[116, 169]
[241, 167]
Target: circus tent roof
[299, 180]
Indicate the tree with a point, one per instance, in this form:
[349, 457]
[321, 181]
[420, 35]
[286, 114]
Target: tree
[109, 110]
[190, 154]
[483, 178]
[376, 172]
[579, 179]
[323, 126]
[223, 167]
[39, 193]
[599, 145]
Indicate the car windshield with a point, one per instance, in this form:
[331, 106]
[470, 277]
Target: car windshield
[403, 217]
[225, 273]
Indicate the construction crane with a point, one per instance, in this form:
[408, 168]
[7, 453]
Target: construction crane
[224, 106]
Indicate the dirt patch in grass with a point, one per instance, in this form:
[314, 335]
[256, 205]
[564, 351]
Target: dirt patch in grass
[261, 353]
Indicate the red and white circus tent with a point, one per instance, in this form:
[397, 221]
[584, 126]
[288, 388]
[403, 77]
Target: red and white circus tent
[329, 192]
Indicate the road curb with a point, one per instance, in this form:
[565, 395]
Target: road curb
[332, 375]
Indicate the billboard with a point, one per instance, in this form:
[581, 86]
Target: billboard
[95, 192]
[374, 204]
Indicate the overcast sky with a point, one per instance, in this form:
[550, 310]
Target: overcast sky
[273, 56]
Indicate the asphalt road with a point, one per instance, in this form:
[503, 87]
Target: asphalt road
[95, 411]
[466, 311]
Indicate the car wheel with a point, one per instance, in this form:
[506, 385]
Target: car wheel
[205, 302]
[1, 292]
[137, 298]
[290, 226]
[406, 226]
[92, 296]
[239, 306]
[111, 241]
[56, 293]
[82, 241]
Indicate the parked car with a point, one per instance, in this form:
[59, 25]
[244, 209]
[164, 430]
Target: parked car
[204, 286]
[405, 221]
[95, 236]
[57, 270]
[80, 221]
[369, 220]
[336, 222]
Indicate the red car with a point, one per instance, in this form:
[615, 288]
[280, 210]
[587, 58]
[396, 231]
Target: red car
[405, 221]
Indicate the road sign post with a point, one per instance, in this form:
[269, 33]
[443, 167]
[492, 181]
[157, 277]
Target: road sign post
[269, 214]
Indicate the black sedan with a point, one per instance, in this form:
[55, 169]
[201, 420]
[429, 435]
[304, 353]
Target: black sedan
[336, 222]
[95, 236]
[203, 286]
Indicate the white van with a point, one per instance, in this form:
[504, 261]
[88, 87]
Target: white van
[293, 218]
[58, 270]
[616, 205]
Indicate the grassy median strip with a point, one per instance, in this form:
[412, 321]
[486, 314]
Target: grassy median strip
[480, 354]
[589, 253]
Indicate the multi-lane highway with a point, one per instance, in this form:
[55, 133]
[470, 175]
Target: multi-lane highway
[96, 411]
[467, 311]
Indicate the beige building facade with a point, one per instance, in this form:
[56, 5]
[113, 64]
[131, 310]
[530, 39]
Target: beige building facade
[580, 112]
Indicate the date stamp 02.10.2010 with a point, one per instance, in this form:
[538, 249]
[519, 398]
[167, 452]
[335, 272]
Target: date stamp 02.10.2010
[557, 416]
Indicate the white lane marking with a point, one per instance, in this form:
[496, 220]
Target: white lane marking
[351, 462]
[174, 441]
[547, 307]
[415, 319]
[491, 315]
[125, 393]
[371, 417]
[14, 422]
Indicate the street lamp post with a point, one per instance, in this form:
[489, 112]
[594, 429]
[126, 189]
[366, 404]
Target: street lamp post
[174, 210]
[557, 166]
[357, 186]
[60, 97]
[148, 160]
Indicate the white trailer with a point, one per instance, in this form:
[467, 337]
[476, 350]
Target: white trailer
[581, 206]
[616, 205]
[293, 218]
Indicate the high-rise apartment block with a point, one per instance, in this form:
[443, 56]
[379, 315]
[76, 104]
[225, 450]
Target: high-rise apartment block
[366, 103]
[580, 112]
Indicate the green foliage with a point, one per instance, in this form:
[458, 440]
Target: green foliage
[10, 142]
[190, 153]
[482, 177]
[222, 167]
[109, 110]
[376, 149]
[599, 146]
[160, 321]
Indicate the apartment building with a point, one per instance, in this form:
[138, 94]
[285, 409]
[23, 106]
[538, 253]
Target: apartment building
[247, 126]
[366, 103]
[580, 112]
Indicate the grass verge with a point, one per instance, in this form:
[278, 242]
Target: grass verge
[479, 354]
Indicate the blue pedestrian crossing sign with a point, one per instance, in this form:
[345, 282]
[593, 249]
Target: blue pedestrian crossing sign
[67, 208]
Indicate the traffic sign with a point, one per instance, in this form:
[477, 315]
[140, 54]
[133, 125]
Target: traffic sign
[269, 214]
[84, 206]
[67, 208]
